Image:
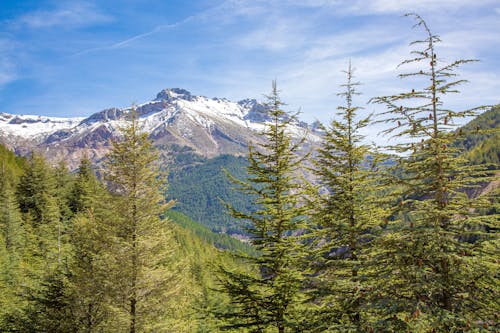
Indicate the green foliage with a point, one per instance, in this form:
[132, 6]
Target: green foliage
[12, 242]
[77, 287]
[11, 165]
[88, 289]
[267, 297]
[431, 279]
[479, 139]
[347, 215]
[220, 241]
[145, 272]
[200, 191]
[36, 191]
[479, 129]
[77, 256]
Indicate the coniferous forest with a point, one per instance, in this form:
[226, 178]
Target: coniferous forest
[397, 238]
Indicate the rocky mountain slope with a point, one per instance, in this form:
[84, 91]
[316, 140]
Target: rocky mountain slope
[207, 127]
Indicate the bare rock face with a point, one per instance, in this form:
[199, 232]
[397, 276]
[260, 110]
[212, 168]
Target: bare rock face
[175, 118]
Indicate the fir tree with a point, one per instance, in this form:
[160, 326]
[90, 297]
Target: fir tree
[36, 195]
[36, 191]
[89, 282]
[11, 250]
[432, 279]
[10, 217]
[43, 270]
[146, 271]
[80, 198]
[267, 297]
[347, 214]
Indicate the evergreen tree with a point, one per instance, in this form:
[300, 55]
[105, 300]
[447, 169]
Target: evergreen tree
[347, 214]
[80, 198]
[36, 191]
[267, 297]
[11, 246]
[147, 273]
[89, 283]
[36, 195]
[432, 279]
[43, 271]
[10, 217]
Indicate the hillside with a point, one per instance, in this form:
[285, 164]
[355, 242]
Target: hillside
[194, 247]
[483, 147]
[201, 190]
[219, 241]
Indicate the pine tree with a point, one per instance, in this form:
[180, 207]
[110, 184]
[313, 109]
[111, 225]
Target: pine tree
[267, 297]
[11, 246]
[43, 265]
[80, 198]
[432, 279]
[347, 214]
[10, 218]
[146, 274]
[88, 288]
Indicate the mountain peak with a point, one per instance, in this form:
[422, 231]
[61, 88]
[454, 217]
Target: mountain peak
[174, 93]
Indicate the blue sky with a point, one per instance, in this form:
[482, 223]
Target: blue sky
[74, 58]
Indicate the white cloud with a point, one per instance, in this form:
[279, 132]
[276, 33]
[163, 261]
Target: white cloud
[397, 6]
[7, 67]
[76, 15]
[6, 75]
[349, 43]
[362, 7]
[275, 34]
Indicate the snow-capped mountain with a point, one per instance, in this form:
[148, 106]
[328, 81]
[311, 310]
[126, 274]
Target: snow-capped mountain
[175, 118]
[34, 126]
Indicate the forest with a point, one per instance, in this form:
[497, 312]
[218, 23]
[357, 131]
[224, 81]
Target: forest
[399, 238]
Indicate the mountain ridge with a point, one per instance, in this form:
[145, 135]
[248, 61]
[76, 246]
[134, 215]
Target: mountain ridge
[209, 126]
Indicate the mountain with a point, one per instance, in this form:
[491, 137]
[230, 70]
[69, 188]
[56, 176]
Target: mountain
[198, 138]
[175, 120]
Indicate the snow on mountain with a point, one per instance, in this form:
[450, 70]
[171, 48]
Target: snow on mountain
[207, 126]
[31, 127]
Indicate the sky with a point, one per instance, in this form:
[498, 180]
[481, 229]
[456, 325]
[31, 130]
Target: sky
[74, 58]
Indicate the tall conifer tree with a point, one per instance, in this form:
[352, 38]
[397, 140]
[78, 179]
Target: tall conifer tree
[347, 214]
[146, 271]
[267, 298]
[433, 279]
[90, 282]
[12, 243]
[45, 275]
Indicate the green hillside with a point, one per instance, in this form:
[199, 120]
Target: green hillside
[200, 186]
[220, 241]
[482, 147]
[194, 249]
[200, 191]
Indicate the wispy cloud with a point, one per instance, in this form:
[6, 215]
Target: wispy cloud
[397, 6]
[363, 7]
[7, 73]
[7, 67]
[234, 48]
[128, 41]
[73, 15]
[351, 42]
[273, 34]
